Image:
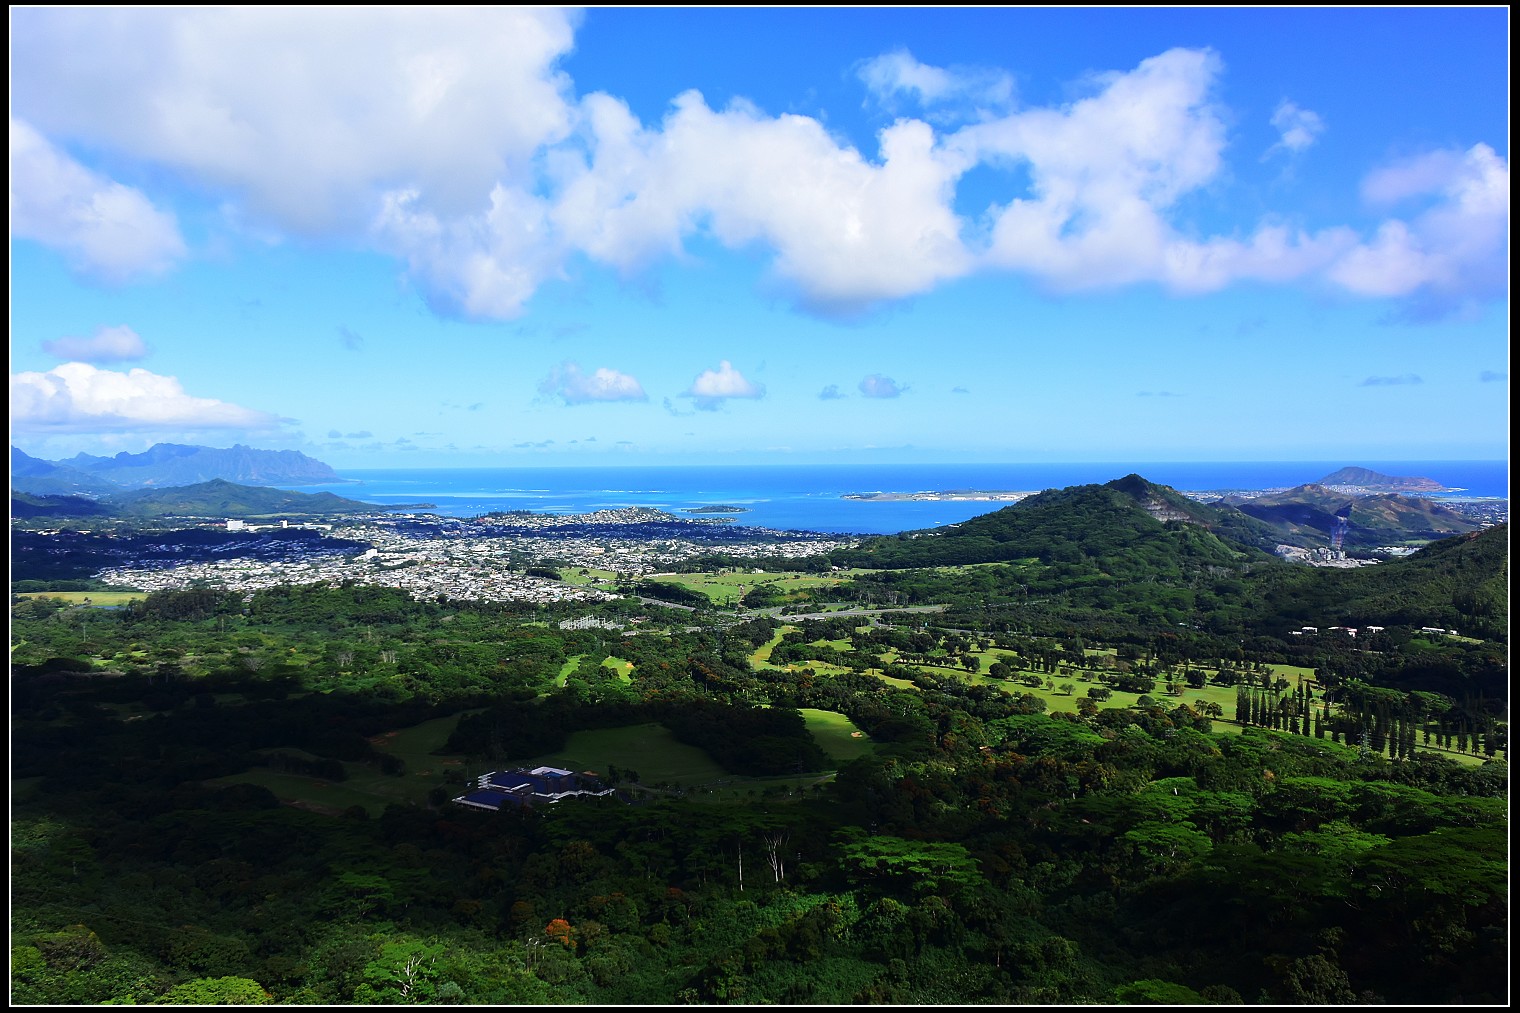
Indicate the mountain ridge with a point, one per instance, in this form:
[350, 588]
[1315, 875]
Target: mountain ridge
[165, 465]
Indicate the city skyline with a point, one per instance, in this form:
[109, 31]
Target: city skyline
[487, 238]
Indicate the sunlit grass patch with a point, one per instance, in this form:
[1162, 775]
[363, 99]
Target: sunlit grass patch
[837, 735]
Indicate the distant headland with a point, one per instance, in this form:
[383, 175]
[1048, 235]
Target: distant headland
[1365, 478]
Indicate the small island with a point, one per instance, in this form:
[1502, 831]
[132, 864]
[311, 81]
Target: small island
[944, 496]
[716, 508]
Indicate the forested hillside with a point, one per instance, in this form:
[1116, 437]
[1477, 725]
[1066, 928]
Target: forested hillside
[1125, 524]
[1307, 516]
[979, 848]
[1093, 749]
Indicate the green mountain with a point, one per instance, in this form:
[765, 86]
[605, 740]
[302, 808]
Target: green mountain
[220, 498]
[1459, 583]
[28, 505]
[1306, 516]
[1116, 526]
[1132, 552]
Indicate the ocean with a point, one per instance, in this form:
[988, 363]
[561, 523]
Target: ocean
[810, 497]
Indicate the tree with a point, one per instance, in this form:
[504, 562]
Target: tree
[775, 840]
[227, 991]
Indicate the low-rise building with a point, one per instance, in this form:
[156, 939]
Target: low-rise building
[540, 785]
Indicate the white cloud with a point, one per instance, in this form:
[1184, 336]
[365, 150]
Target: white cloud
[877, 385]
[107, 344]
[846, 231]
[1103, 170]
[105, 229]
[309, 113]
[1299, 128]
[76, 397]
[830, 393]
[1417, 176]
[486, 266]
[567, 381]
[898, 74]
[451, 140]
[1455, 249]
[714, 386]
[1105, 174]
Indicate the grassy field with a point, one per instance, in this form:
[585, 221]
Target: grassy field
[837, 735]
[648, 749]
[728, 588]
[586, 575]
[761, 658]
[100, 599]
[365, 785]
[571, 664]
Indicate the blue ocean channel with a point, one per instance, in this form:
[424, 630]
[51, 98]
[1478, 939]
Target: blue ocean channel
[811, 497]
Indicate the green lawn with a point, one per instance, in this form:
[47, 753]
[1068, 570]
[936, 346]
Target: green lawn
[648, 749]
[728, 588]
[837, 735]
[366, 786]
[621, 666]
[571, 664]
[761, 658]
[586, 575]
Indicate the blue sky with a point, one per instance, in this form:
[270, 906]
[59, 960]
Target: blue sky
[490, 237]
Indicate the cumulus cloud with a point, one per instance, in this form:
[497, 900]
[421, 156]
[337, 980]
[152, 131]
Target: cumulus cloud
[76, 397]
[567, 381]
[308, 113]
[830, 393]
[714, 386]
[1455, 246]
[1492, 376]
[107, 344]
[452, 141]
[1401, 380]
[1106, 170]
[105, 229]
[1299, 128]
[959, 390]
[845, 231]
[877, 385]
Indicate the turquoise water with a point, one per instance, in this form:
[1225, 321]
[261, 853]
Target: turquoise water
[809, 497]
